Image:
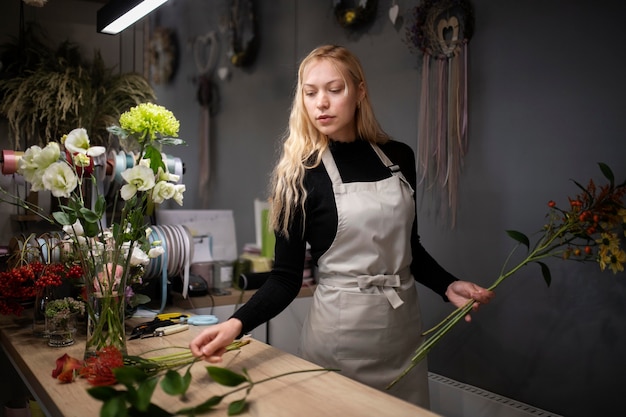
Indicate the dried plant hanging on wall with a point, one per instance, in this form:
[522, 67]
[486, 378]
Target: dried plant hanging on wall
[440, 32]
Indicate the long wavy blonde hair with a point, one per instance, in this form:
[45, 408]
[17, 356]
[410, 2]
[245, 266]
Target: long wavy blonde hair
[304, 144]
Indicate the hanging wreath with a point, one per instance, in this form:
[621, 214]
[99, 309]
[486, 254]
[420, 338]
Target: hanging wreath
[441, 27]
[441, 32]
[354, 17]
[163, 55]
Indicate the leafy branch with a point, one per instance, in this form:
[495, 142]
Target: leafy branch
[588, 231]
[135, 400]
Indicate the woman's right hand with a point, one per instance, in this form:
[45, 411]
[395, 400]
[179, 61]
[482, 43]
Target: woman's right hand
[211, 343]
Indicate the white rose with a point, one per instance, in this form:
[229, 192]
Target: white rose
[77, 141]
[178, 195]
[156, 251]
[139, 178]
[162, 191]
[60, 179]
[139, 257]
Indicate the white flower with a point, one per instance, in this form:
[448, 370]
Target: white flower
[35, 161]
[139, 178]
[77, 141]
[59, 179]
[75, 229]
[166, 176]
[162, 191]
[178, 195]
[156, 251]
[139, 257]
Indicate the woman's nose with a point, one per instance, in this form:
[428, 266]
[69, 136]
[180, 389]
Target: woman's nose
[322, 101]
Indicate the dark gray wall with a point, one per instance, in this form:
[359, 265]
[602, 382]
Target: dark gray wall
[546, 91]
[546, 104]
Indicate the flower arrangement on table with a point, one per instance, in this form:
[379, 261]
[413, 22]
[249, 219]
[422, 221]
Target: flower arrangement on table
[59, 311]
[26, 279]
[590, 229]
[108, 253]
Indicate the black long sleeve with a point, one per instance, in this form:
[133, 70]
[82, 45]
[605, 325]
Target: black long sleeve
[356, 161]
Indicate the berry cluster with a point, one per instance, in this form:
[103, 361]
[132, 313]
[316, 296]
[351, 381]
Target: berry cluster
[22, 283]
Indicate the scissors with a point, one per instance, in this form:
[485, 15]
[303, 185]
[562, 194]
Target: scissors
[170, 319]
[166, 330]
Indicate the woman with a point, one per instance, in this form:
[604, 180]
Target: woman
[346, 188]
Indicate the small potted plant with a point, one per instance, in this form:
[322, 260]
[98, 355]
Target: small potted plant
[61, 315]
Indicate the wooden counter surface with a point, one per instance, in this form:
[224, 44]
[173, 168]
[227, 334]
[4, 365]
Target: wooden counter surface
[310, 394]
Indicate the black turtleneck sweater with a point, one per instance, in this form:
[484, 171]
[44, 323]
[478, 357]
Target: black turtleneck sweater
[356, 162]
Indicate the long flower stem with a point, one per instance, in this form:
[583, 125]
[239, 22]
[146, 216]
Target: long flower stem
[544, 249]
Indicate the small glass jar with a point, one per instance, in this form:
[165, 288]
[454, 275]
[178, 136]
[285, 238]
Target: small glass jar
[222, 276]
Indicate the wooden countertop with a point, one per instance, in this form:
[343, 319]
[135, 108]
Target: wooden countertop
[309, 394]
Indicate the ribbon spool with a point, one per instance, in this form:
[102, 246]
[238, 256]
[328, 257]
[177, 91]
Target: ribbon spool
[10, 160]
[176, 241]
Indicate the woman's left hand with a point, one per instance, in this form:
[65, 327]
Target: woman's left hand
[461, 292]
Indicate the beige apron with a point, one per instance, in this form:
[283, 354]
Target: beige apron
[365, 317]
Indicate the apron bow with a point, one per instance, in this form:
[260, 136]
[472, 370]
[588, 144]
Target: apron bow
[387, 283]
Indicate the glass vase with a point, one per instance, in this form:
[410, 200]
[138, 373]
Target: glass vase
[105, 322]
[40, 324]
[105, 301]
[61, 330]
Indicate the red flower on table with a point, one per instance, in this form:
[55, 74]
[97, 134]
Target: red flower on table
[67, 368]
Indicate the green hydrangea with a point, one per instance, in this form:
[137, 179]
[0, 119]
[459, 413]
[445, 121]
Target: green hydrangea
[148, 122]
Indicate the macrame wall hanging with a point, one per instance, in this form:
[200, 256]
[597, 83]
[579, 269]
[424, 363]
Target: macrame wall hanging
[205, 50]
[440, 32]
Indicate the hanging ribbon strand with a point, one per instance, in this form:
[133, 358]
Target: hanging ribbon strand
[205, 56]
[440, 33]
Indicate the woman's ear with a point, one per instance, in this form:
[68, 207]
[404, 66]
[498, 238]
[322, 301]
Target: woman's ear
[361, 92]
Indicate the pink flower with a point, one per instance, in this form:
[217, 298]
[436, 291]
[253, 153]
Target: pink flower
[108, 280]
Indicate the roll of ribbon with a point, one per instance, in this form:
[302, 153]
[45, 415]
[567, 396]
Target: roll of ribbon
[10, 160]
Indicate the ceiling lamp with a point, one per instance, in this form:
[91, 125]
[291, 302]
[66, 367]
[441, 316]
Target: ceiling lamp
[117, 15]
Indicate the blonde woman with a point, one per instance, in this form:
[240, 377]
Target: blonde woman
[346, 188]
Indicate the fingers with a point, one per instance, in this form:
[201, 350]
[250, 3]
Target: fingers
[482, 295]
[211, 343]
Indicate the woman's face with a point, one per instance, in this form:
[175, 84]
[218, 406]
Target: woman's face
[329, 102]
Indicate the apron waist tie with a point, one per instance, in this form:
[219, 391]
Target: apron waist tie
[387, 283]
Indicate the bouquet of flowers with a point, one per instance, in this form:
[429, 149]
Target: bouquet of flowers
[107, 253]
[590, 229]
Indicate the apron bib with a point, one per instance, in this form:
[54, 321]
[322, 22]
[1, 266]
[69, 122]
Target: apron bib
[365, 317]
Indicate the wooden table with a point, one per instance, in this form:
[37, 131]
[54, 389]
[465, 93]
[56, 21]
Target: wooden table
[309, 394]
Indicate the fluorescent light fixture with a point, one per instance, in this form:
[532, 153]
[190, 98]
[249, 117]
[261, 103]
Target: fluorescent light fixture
[117, 15]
